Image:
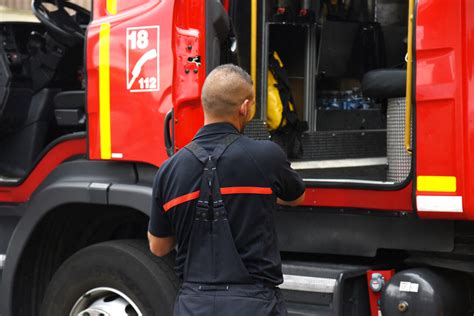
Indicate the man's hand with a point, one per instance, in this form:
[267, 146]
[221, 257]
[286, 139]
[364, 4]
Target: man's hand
[296, 202]
[161, 246]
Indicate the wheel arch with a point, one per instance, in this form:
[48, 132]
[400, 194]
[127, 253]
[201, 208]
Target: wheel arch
[116, 191]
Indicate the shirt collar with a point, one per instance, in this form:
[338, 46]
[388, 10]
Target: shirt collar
[216, 128]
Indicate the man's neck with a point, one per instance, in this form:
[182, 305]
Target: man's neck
[235, 122]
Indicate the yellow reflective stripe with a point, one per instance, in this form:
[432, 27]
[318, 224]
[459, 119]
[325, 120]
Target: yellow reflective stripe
[253, 44]
[436, 184]
[409, 97]
[112, 6]
[104, 91]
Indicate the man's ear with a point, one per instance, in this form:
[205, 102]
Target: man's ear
[250, 109]
[244, 108]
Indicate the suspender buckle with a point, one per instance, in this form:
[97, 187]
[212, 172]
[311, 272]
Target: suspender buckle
[218, 203]
[202, 211]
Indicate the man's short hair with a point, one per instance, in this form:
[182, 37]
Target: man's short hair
[225, 89]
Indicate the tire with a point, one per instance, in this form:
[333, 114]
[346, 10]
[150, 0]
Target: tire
[126, 266]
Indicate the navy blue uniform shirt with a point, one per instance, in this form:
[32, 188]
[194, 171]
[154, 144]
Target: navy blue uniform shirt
[252, 174]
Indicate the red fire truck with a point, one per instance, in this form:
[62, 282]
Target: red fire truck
[93, 100]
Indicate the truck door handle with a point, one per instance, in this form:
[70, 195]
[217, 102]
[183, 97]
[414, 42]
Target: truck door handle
[169, 138]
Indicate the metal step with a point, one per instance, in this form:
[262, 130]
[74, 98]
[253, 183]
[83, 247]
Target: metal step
[325, 289]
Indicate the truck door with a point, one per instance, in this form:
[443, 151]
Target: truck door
[143, 57]
[441, 108]
[201, 30]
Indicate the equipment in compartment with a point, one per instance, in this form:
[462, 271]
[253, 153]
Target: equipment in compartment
[349, 50]
[295, 44]
[344, 100]
[348, 110]
[326, 60]
[302, 11]
[285, 11]
[282, 120]
[280, 102]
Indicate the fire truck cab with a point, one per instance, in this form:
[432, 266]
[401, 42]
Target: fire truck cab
[93, 100]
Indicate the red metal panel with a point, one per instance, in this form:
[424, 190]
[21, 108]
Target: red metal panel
[136, 117]
[444, 115]
[226, 4]
[468, 109]
[188, 42]
[399, 200]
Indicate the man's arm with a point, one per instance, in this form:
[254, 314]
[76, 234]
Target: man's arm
[160, 232]
[296, 202]
[161, 246]
[288, 185]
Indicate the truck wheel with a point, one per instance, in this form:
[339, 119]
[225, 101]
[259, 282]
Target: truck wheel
[112, 278]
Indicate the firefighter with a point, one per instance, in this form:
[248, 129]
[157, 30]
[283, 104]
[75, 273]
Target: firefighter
[215, 199]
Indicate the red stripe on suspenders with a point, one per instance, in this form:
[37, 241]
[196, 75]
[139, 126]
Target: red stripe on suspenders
[224, 191]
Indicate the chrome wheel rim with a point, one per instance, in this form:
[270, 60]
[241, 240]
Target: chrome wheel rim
[105, 301]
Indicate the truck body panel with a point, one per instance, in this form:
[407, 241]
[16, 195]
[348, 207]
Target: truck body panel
[443, 110]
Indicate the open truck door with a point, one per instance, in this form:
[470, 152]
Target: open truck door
[129, 68]
[146, 66]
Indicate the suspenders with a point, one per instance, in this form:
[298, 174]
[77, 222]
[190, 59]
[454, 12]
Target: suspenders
[210, 188]
[212, 255]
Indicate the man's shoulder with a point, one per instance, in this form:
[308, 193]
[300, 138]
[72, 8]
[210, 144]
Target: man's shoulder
[260, 146]
[172, 161]
[261, 149]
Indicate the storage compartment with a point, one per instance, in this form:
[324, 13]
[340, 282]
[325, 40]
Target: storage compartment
[290, 41]
[332, 53]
